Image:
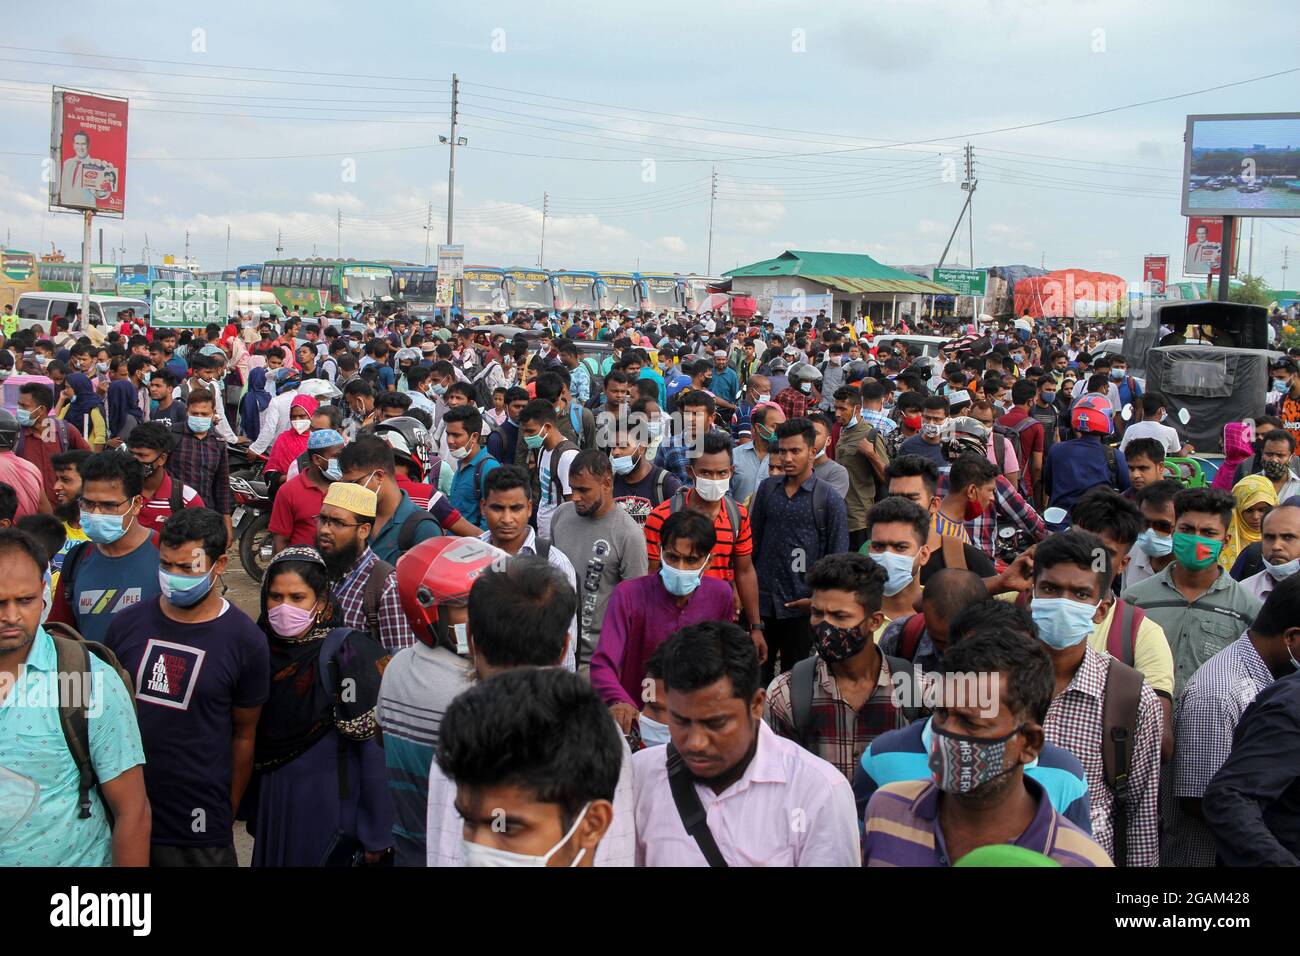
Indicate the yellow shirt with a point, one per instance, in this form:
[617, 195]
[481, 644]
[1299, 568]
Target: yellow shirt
[1151, 653]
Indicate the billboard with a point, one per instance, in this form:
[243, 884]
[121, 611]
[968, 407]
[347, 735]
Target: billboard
[88, 153]
[188, 304]
[1204, 242]
[788, 308]
[1155, 274]
[964, 281]
[451, 268]
[1242, 164]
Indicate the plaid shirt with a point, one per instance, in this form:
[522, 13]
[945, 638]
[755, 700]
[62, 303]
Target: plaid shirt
[883, 423]
[201, 463]
[1008, 502]
[793, 402]
[394, 632]
[1206, 718]
[839, 734]
[1074, 721]
[894, 441]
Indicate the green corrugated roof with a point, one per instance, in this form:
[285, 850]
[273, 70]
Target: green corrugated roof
[847, 272]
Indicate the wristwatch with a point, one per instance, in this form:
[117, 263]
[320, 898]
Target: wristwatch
[756, 627]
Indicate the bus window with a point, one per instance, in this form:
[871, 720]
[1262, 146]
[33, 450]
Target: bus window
[318, 277]
[295, 277]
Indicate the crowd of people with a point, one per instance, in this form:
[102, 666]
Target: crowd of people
[640, 590]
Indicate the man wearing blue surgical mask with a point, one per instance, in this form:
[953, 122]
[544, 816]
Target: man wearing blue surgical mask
[898, 534]
[1071, 593]
[118, 567]
[203, 673]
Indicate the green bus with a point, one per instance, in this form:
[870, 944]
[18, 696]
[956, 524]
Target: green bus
[313, 285]
[66, 277]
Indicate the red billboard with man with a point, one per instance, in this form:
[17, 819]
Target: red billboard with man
[89, 152]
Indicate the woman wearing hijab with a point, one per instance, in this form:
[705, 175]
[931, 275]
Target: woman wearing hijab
[1256, 497]
[293, 442]
[123, 411]
[85, 410]
[319, 794]
[253, 404]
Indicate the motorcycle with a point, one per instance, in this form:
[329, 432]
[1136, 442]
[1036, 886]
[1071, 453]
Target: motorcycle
[252, 515]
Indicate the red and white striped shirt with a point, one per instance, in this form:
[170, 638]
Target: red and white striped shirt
[158, 509]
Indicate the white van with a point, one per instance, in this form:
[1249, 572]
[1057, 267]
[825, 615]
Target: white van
[42, 308]
[252, 300]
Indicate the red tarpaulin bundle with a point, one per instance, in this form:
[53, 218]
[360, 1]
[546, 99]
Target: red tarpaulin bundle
[1071, 293]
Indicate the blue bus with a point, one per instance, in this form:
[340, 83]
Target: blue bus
[529, 289]
[483, 292]
[249, 276]
[136, 280]
[616, 291]
[573, 291]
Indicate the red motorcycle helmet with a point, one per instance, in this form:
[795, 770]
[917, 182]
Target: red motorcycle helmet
[1091, 414]
[440, 572]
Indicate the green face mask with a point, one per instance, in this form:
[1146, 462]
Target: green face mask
[763, 433]
[535, 442]
[1194, 552]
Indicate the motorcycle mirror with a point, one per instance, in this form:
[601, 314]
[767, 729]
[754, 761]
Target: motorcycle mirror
[1184, 415]
[1127, 413]
[1055, 515]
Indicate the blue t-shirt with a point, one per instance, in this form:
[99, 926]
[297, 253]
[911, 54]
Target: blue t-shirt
[387, 378]
[1078, 465]
[189, 678]
[916, 445]
[105, 586]
[464, 495]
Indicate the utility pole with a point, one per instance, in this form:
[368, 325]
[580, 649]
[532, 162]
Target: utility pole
[101, 245]
[227, 245]
[1286, 252]
[187, 247]
[546, 209]
[713, 195]
[451, 156]
[338, 237]
[428, 227]
[969, 185]
[279, 243]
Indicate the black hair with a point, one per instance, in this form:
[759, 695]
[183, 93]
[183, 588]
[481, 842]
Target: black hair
[335, 415]
[464, 389]
[969, 469]
[368, 451]
[936, 403]
[591, 461]
[519, 616]
[507, 478]
[14, 539]
[1152, 402]
[48, 531]
[398, 400]
[1031, 679]
[911, 401]
[8, 502]
[847, 393]
[797, 428]
[359, 386]
[696, 398]
[1023, 391]
[1280, 434]
[1281, 609]
[42, 395]
[1205, 501]
[1104, 509]
[195, 524]
[914, 466]
[549, 385]
[1150, 448]
[468, 415]
[855, 573]
[115, 466]
[156, 436]
[538, 410]
[691, 526]
[715, 443]
[899, 510]
[200, 396]
[1159, 493]
[705, 653]
[1081, 548]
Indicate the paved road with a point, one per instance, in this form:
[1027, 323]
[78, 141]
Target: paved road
[245, 593]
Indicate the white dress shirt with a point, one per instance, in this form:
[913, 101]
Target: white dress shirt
[274, 422]
[789, 808]
[1160, 432]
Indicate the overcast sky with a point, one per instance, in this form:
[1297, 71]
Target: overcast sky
[266, 117]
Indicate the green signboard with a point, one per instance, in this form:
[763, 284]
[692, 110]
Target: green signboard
[965, 281]
[189, 304]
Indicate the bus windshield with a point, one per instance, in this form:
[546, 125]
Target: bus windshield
[530, 291]
[103, 281]
[619, 293]
[365, 284]
[697, 293]
[659, 294]
[482, 292]
[574, 292]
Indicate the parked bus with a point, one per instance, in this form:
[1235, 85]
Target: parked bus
[249, 276]
[66, 277]
[136, 280]
[573, 291]
[693, 291]
[657, 292]
[616, 290]
[483, 291]
[17, 275]
[315, 285]
[414, 286]
[529, 289]
[227, 275]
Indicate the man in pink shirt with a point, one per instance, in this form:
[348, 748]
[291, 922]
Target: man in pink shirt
[757, 799]
[24, 477]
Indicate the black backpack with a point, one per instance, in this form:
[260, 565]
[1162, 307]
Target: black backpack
[482, 392]
[596, 394]
[802, 677]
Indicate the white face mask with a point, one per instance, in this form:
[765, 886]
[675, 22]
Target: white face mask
[712, 489]
[653, 733]
[300, 425]
[476, 854]
[763, 398]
